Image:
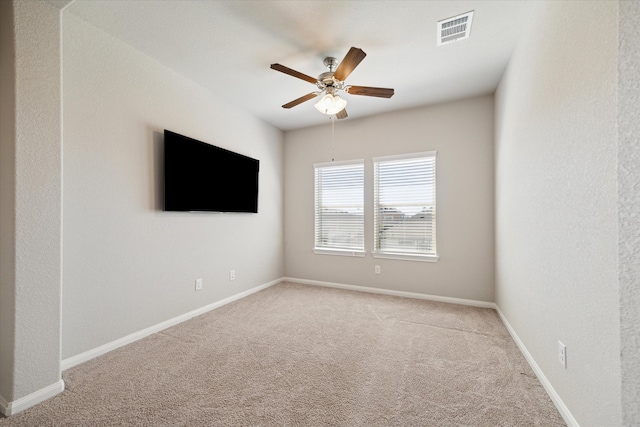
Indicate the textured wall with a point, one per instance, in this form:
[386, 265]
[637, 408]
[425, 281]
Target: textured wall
[127, 264]
[7, 199]
[31, 151]
[629, 207]
[556, 203]
[462, 134]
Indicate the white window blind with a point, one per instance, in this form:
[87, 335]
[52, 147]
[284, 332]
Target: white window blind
[405, 206]
[339, 199]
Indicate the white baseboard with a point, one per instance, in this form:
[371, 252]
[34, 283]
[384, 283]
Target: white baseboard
[12, 408]
[98, 351]
[562, 408]
[415, 295]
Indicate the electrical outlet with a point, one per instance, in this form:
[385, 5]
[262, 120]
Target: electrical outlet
[232, 275]
[198, 284]
[562, 354]
[377, 269]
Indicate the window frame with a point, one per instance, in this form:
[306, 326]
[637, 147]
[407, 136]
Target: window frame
[431, 256]
[334, 250]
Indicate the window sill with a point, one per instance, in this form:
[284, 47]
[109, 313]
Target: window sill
[409, 257]
[342, 252]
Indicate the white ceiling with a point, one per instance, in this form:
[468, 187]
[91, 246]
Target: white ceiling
[228, 46]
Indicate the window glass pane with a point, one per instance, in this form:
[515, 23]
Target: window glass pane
[405, 205]
[339, 218]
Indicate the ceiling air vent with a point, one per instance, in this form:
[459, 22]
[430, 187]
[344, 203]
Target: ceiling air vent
[454, 29]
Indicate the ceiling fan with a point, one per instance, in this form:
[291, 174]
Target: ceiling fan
[331, 83]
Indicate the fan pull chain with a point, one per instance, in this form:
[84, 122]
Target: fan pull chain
[333, 138]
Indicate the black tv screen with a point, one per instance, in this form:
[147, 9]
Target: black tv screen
[202, 177]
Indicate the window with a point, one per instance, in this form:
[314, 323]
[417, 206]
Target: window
[405, 206]
[339, 198]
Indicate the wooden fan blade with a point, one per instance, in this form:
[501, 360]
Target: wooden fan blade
[349, 63]
[300, 100]
[293, 73]
[380, 92]
[342, 114]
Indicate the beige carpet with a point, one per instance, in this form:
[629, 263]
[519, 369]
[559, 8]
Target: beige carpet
[296, 355]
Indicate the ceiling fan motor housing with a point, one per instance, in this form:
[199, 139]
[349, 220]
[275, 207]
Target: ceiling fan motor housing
[326, 80]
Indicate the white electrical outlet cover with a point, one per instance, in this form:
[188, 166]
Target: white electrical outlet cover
[562, 354]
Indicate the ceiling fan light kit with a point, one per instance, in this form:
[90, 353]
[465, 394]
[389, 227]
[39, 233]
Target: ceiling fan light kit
[330, 104]
[332, 82]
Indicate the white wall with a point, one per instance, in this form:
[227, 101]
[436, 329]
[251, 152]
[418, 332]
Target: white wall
[556, 203]
[30, 196]
[127, 264]
[629, 207]
[462, 134]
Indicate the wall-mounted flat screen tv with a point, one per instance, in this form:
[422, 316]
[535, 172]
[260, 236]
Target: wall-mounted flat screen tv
[202, 177]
